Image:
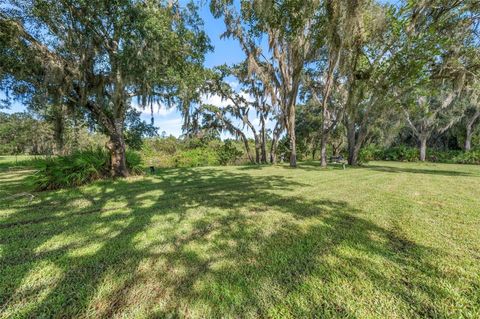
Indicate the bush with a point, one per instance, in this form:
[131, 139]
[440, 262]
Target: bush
[410, 154]
[400, 153]
[228, 153]
[192, 152]
[369, 153]
[79, 168]
[196, 157]
[456, 157]
[135, 163]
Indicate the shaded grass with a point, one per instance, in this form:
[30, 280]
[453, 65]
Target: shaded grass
[12, 162]
[388, 240]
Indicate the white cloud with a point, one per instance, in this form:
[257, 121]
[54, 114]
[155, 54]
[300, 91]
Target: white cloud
[158, 109]
[248, 97]
[213, 99]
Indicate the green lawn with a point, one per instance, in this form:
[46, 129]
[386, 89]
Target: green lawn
[388, 240]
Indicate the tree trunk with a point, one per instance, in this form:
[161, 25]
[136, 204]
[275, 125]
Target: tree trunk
[273, 156]
[333, 60]
[356, 153]
[59, 131]
[336, 148]
[263, 141]
[423, 148]
[356, 135]
[76, 133]
[352, 158]
[468, 138]
[264, 152]
[275, 137]
[273, 149]
[293, 148]
[292, 137]
[323, 149]
[354, 146]
[469, 128]
[118, 163]
[247, 148]
[257, 150]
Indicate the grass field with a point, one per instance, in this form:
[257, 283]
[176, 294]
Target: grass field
[388, 240]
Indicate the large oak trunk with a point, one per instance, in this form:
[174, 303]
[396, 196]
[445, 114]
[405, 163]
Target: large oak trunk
[118, 163]
[355, 138]
[352, 155]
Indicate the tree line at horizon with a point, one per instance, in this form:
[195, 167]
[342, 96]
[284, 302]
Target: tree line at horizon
[325, 74]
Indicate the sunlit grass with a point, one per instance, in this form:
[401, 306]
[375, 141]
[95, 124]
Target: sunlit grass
[389, 240]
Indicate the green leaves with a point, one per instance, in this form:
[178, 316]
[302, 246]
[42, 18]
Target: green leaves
[79, 168]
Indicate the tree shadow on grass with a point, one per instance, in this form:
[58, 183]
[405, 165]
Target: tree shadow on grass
[432, 171]
[206, 243]
[304, 166]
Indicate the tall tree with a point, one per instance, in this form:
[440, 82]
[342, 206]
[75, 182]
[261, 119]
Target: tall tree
[337, 26]
[365, 67]
[236, 106]
[433, 67]
[99, 55]
[289, 27]
[263, 108]
[431, 111]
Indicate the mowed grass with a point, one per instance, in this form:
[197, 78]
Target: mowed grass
[388, 240]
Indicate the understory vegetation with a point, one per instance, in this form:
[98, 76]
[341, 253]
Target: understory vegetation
[90, 164]
[396, 240]
[79, 168]
[173, 152]
[410, 154]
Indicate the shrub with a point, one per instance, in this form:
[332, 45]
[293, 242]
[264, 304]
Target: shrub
[134, 162]
[400, 153]
[369, 153]
[192, 152]
[79, 168]
[410, 154]
[228, 153]
[196, 157]
[472, 157]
